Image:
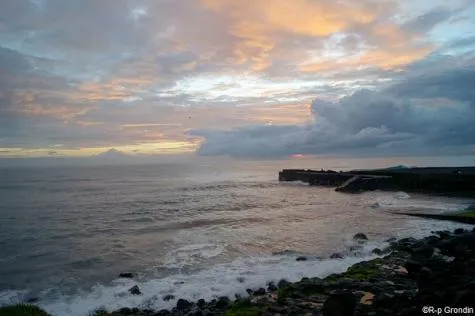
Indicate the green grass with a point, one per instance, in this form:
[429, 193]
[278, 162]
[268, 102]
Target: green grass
[467, 213]
[243, 308]
[360, 273]
[22, 310]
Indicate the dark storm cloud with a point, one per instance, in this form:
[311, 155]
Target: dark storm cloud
[73, 72]
[423, 114]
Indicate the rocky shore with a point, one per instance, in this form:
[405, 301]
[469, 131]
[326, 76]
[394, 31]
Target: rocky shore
[437, 271]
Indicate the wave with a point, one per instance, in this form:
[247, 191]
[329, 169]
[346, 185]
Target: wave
[220, 279]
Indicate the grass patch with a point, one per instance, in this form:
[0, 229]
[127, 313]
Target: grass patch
[361, 273]
[243, 308]
[284, 292]
[467, 213]
[22, 310]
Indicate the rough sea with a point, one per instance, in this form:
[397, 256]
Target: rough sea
[193, 230]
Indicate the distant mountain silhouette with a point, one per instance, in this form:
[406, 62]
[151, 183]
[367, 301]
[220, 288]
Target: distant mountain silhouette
[397, 167]
[112, 153]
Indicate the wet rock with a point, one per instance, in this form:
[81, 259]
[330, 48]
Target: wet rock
[222, 302]
[249, 291]
[443, 234]
[425, 272]
[126, 275]
[301, 258]
[342, 304]
[168, 297]
[271, 287]
[360, 236]
[135, 290]
[424, 251]
[260, 291]
[283, 283]
[392, 239]
[336, 255]
[413, 267]
[163, 312]
[31, 300]
[183, 305]
[201, 303]
[240, 279]
[459, 231]
[377, 251]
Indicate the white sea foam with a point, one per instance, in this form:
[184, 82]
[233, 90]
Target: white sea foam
[401, 195]
[191, 254]
[219, 280]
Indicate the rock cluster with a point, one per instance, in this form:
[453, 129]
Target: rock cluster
[438, 271]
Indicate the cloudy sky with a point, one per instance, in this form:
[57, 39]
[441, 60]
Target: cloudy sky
[260, 78]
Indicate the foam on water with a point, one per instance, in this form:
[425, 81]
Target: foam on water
[191, 254]
[226, 279]
[402, 200]
[220, 280]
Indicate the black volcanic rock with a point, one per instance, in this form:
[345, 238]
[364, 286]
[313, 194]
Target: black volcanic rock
[360, 236]
[135, 290]
[126, 275]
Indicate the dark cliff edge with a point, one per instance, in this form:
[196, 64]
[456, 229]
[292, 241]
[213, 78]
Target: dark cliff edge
[410, 277]
[449, 181]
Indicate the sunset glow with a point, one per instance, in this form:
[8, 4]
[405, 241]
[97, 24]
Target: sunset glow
[160, 77]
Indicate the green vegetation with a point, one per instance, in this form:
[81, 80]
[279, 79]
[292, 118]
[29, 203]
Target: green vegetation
[22, 310]
[243, 308]
[284, 292]
[468, 212]
[361, 273]
[358, 272]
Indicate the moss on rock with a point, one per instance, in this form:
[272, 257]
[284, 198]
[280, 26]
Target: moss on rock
[22, 310]
[243, 308]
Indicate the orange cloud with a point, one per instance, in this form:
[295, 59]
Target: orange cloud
[380, 58]
[262, 28]
[33, 102]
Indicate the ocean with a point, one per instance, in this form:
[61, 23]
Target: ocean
[192, 230]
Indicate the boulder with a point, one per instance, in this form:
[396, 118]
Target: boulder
[342, 304]
[413, 267]
[301, 258]
[222, 302]
[201, 303]
[271, 287]
[135, 290]
[183, 305]
[360, 236]
[377, 251]
[260, 291]
[126, 275]
[423, 251]
[283, 283]
[336, 255]
[168, 297]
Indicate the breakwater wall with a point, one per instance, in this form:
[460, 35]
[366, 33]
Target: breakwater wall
[448, 181]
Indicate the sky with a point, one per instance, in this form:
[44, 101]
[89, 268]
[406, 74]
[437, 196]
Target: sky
[254, 79]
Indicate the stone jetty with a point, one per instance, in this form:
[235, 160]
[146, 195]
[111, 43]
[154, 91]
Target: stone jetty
[457, 181]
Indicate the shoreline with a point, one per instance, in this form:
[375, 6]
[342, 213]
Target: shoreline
[437, 270]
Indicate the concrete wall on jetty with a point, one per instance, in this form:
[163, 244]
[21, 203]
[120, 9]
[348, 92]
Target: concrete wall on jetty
[448, 181]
